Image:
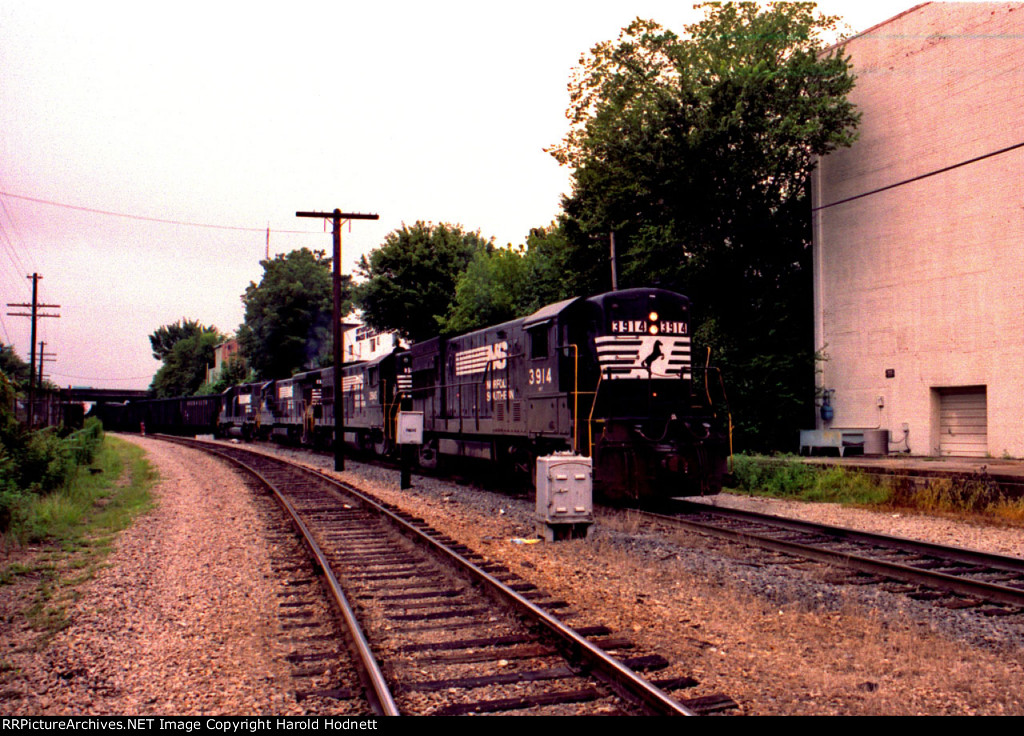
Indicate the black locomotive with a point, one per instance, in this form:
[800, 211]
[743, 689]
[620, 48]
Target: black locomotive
[610, 377]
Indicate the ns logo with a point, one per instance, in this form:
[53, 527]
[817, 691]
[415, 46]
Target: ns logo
[478, 360]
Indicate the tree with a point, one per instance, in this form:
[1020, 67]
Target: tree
[164, 338]
[288, 315]
[13, 367]
[696, 152]
[410, 279]
[507, 283]
[185, 361]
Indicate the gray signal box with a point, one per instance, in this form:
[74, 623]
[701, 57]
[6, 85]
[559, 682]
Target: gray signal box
[565, 490]
[410, 428]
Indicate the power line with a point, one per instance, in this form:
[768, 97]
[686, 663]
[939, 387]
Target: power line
[9, 244]
[919, 177]
[143, 218]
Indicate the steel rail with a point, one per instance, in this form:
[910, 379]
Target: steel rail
[378, 691]
[992, 592]
[917, 546]
[620, 678]
[616, 675]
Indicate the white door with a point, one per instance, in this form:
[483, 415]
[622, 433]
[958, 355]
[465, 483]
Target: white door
[963, 422]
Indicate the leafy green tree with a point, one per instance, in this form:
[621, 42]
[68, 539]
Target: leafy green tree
[185, 365]
[410, 279]
[164, 338]
[696, 151]
[507, 283]
[13, 366]
[288, 315]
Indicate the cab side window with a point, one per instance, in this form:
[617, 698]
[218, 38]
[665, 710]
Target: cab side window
[539, 342]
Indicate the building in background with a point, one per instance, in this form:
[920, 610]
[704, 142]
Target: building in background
[222, 353]
[919, 236]
[364, 343]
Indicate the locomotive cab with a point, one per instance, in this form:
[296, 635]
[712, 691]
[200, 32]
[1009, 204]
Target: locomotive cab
[650, 437]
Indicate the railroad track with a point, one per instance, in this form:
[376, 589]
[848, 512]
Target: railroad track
[951, 576]
[437, 629]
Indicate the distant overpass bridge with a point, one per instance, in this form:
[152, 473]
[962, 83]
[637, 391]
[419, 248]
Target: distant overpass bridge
[102, 395]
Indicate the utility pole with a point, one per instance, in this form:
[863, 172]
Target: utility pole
[339, 400]
[44, 356]
[35, 315]
[41, 377]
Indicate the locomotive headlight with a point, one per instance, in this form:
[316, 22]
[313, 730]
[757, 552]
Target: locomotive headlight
[652, 317]
[653, 329]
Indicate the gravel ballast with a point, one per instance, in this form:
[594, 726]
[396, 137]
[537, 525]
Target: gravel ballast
[182, 621]
[779, 639]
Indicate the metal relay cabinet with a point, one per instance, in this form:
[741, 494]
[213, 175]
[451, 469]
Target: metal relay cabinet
[565, 505]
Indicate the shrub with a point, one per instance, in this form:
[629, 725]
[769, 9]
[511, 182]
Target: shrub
[38, 463]
[82, 445]
[782, 476]
[789, 477]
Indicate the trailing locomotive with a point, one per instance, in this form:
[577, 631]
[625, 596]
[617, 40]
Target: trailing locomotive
[610, 376]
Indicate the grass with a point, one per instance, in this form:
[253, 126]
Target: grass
[788, 477]
[76, 526]
[971, 495]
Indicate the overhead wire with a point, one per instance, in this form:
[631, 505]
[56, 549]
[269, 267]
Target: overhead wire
[14, 226]
[144, 218]
[919, 177]
[12, 251]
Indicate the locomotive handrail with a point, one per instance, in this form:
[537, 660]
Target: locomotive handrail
[725, 398]
[575, 396]
[590, 419]
[385, 419]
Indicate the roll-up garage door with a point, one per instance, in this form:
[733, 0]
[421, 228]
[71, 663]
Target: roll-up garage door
[963, 422]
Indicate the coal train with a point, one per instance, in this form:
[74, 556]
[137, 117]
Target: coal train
[610, 377]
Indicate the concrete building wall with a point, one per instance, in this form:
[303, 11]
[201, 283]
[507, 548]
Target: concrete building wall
[925, 279]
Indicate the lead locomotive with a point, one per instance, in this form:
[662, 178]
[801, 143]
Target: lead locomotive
[610, 377]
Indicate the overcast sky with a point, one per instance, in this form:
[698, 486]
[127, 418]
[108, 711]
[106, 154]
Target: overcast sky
[236, 115]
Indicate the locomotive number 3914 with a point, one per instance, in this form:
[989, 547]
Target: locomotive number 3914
[539, 376]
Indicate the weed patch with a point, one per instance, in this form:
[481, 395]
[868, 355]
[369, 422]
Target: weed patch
[965, 494]
[77, 524]
[788, 477]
